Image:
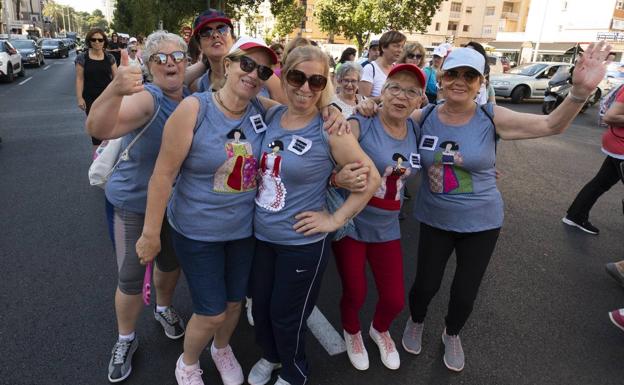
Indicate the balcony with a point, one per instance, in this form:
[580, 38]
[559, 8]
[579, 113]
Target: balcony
[509, 15]
[456, 15]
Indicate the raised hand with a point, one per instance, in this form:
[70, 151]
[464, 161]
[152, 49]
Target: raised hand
[129, 78]
[590, 69]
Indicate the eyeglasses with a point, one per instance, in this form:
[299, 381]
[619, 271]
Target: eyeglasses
[410, 93]
[161, 58]
[221, 30]
[414, 56]
[468, 76]
[349, 81]
[247, 64]
[133, 50]
[95, 39]
[297, 79]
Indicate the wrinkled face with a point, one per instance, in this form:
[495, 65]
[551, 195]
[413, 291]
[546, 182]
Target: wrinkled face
[401, 95]
[373, 53]
[302, 97]
[216, 44]
[349, 83]
[461, 84]
[393, 51]
[246, 84]
[170, 75]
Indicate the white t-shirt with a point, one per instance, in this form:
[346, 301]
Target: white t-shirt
[376, 77]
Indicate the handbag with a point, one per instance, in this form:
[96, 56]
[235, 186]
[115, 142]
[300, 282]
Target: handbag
[109, 154]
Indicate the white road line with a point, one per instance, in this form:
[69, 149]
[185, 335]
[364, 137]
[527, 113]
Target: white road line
[24, 81]
[46, 67]
[325, 333]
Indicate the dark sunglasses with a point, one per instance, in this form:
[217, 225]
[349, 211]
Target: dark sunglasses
[133, 50]
[247, 64]
[469, 76]
[161, 58]
[95, 39]
[414, 56]
[208, 31]
[297, 79]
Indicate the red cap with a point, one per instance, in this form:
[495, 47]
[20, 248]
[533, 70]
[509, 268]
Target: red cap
[246, 43]
[411, 68]
[209, 16]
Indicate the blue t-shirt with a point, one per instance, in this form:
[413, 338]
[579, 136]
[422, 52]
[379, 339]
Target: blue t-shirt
[396, 160]
[213, 199]
[458, 191]
[293, 179]
[126, 188]
[205, 85]
[432, 82]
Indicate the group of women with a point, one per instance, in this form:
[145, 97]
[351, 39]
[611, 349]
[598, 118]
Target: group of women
[210, 164]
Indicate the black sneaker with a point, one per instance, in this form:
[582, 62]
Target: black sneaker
[585, 226]
[171, 322]
[120, 365]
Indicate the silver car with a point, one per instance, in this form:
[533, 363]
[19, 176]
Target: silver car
[526, 81]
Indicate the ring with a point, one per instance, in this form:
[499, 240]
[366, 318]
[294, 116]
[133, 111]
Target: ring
[359, 178]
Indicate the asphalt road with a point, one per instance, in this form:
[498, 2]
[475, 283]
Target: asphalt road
[541, 317]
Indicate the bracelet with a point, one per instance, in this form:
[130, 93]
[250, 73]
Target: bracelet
[332, 180]
[576, 99]
[335, 105]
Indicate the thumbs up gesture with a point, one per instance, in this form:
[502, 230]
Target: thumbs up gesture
[129, 78]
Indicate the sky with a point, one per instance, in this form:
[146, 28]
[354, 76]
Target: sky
[84, 5]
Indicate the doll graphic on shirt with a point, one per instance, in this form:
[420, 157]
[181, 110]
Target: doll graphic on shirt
[271, 191]
[238, 173]
[446, 175]
[388, 195]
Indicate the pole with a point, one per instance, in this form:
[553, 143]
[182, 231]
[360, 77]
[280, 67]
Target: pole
[63, 15]
[539, 39]
[69, 19]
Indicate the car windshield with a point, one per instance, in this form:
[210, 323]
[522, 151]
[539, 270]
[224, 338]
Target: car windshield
[22, 43]
[50, 42]
[528, 69]
[2, 47]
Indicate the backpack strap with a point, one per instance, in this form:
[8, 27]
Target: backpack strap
[425, 113]
[371, 64]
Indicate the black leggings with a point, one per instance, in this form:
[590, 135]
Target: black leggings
[609, 174]
[435, 246]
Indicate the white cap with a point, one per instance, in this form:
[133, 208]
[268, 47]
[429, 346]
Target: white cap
[247, 42]
[132, 40]
[439, 51]
[464, 57]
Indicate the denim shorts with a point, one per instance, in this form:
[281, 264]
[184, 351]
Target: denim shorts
[216, 272]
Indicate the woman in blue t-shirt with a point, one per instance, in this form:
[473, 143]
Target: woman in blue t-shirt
[459, 206]
[290, 222]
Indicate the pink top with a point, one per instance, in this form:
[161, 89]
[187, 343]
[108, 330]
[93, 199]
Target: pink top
[613, 137]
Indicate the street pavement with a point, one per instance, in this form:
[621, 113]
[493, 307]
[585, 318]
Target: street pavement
[541, 316]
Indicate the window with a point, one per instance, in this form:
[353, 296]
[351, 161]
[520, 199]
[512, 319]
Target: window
[437, 26]
[489, 11]
[452, 26]
[487, 29]
[456, 7]
[619, 4]
[466, 28]
[468, 9]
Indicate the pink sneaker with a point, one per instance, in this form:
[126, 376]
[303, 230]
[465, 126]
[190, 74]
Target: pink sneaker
[188, 375]
[227, 365]
[617, 317]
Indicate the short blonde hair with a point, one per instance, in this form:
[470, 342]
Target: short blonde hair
[315, 54]
[413, 48]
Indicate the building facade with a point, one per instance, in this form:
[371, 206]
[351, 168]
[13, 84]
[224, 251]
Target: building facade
[22, 17]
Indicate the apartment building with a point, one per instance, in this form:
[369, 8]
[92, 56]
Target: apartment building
[21, 17]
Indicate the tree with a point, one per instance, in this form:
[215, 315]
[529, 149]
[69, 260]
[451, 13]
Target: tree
[289, 15]
[357, 19]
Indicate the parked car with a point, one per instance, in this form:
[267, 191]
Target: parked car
[498, 64]
[54, 48]
[31, 52]
[10, 62]
[526, 81]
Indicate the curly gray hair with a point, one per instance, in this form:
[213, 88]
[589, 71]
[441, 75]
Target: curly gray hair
[346, 67]
[153, 42]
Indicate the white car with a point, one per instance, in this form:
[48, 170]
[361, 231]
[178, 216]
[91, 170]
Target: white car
[10, 62]
[527, 81]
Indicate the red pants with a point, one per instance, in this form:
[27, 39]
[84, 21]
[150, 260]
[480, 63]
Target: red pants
[386, 262]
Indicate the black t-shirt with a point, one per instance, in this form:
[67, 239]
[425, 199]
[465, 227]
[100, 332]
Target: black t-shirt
[97, 74]
[116, 54]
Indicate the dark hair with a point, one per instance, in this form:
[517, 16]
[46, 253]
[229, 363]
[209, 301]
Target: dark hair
[346, 53]
[390, 37]
[479, 48]
[92, 32]
[276, 46]
[454, 146]
[398, 156]
[277, 143]
[230, 134]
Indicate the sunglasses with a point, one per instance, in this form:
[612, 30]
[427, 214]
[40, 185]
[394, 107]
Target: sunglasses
[469, 76]
[349, 81]
[95, 39]
[161, 58]
[414, 56]
[410, 93]
[247, 64]
[133, 50]
[297, 79]
[208, 31]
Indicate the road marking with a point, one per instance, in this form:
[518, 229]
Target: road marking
[24, 81]
[325, 333]
[46, 67]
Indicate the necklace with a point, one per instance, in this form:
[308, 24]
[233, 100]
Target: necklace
[218, 98]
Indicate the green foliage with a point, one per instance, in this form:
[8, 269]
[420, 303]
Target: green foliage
[288, 14]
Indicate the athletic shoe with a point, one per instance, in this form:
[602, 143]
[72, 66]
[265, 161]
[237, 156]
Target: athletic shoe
[585, 226]
[356, 350]
[261, 372]
[614, 272]
[188, 376]
[120, 365]
[171, 322]
[453, 352]
[412, 336]
[281, 381]
[248, 304]
[617, 317]
[227, 365]
[387, 350]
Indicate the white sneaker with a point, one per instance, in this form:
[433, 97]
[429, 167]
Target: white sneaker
[248, 305]
[260, 373]
[387, 350]
[356, 350]
[281, 381]
[188, 376]
[227, 365]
